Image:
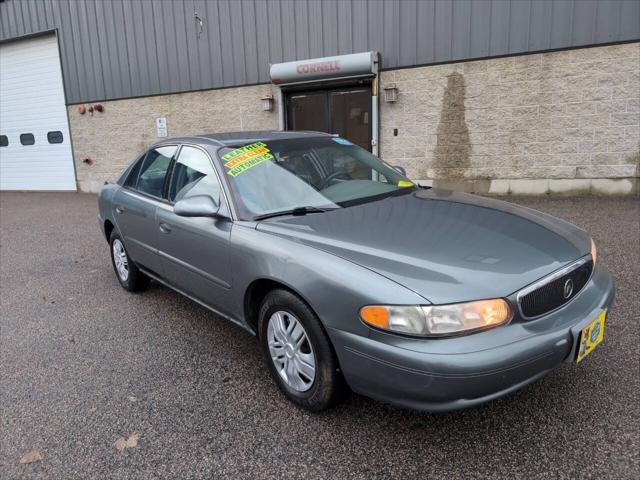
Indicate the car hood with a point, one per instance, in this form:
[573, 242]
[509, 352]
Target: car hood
[445, 246]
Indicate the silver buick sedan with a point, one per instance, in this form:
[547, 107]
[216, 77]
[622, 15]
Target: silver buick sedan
[350, 275]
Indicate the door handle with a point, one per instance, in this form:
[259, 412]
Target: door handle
[165, 228]
[119, 209]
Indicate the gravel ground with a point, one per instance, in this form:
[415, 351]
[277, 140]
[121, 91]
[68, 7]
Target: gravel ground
[83, 363]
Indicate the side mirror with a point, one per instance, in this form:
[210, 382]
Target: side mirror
[400, 170]
[197, 206]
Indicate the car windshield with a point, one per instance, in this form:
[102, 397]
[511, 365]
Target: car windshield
[307, 174]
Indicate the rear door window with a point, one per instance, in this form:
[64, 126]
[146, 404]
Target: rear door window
[153, 171]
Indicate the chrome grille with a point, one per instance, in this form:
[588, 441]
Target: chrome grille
[552, 292]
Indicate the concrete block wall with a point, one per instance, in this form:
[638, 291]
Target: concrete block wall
[563, 122]
[115, 137]
[559, 122]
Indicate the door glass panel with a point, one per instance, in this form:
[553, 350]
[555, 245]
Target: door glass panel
[154, 170]
[55, 136]
[350, 115]
[344, 111]
[308, 111]
[132, 176]
[193, 175]
[27, 139]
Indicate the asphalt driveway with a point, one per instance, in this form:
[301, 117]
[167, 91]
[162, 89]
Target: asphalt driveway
[106, 384]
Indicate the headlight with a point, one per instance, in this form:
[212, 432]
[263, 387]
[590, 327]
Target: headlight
[438, 320]
[594, 251]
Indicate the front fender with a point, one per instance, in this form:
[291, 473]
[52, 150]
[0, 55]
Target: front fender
[335, 288]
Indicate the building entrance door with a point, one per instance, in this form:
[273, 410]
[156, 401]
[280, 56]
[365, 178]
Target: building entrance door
[342, 111]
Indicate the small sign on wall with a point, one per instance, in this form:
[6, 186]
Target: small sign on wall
[161, 127]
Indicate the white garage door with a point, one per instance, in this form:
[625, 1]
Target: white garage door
[35, 148]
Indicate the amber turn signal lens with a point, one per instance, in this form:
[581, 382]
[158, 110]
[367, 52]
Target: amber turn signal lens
[376, 316]
[594, 252]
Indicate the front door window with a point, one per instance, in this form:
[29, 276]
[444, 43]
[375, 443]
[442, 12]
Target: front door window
[193, 175]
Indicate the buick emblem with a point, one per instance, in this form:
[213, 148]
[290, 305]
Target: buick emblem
[568, 288]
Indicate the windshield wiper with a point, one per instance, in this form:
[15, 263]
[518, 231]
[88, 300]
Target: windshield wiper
[294, 211]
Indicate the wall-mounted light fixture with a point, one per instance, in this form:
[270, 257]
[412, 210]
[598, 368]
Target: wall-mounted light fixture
[390, 92]
[267, 103]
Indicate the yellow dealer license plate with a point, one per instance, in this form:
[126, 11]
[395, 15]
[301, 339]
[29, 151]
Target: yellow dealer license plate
[591, 336]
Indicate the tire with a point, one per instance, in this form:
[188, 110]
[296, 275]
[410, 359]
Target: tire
[283, 309]
[130, 277]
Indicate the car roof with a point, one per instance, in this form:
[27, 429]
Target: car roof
[237, 138]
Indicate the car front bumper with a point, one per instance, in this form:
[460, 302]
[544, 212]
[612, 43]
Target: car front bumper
[459, 372]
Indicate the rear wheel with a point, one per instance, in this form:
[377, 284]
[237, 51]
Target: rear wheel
[129, 275]
[298, 352]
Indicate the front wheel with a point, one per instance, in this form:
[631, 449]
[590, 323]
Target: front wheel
[298, 352]
[128, 273]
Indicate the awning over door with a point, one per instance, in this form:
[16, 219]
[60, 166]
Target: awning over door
[355, 65]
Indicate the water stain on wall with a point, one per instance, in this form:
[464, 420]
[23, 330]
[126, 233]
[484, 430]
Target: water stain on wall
[635, 160]
[453, 148]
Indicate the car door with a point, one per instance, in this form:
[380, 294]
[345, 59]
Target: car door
[195, 251]
[136, 203]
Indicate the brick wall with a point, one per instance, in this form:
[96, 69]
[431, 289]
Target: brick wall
[127, 127]
[554, 122]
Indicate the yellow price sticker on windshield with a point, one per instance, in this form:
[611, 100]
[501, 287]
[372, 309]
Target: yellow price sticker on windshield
[242, 159]
[405, 183]
[248, 164]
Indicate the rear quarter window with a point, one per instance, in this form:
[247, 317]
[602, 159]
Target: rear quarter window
[130, 175]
